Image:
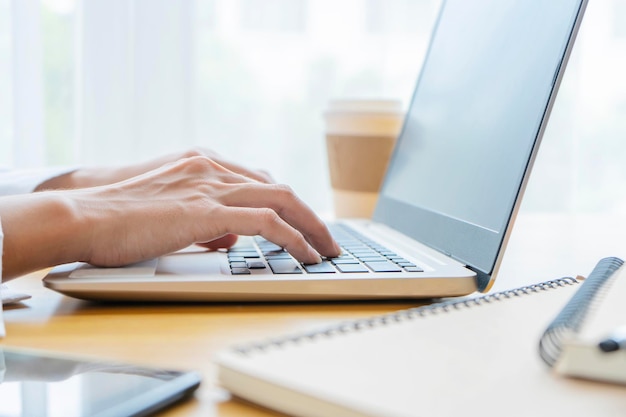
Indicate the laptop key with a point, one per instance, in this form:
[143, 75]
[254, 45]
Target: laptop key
[284, 266]
[284, 255]
[274, 252]
[321, 268]
[413, 269]
[240, 271]
[270, 248]
[236, 258]
[337, 261]
[256, 265]
[397, 259]
[384, 266]
[249, 254]
[372, 258]
[346, 268]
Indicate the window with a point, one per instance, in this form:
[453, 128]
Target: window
[115, 82]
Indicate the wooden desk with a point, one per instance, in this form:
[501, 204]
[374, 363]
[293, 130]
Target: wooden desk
[187, 336]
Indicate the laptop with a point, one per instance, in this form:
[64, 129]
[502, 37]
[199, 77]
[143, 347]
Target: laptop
[450, 195]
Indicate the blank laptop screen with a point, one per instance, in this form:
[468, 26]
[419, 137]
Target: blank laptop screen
[473, 123]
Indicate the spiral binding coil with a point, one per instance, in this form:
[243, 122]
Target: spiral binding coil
[569, 321]
[404, 315]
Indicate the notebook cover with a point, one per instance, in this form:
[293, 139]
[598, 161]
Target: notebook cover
[478, 355]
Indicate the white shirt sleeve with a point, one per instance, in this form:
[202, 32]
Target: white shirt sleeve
[25, 181]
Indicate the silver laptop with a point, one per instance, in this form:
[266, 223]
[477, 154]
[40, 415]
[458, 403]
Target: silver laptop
[450, 195]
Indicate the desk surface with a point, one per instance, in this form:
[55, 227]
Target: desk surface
[183, 336]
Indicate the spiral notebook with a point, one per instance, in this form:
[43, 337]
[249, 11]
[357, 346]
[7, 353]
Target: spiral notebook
[595, 314]
[478, 354]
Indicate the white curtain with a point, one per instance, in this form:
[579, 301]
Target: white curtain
[22, 91]
[134, 83]
[112, 81]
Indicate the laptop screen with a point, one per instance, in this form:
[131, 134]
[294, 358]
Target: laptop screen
[471, 131]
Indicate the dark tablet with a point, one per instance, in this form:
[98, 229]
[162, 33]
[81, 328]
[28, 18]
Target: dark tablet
[34, 383]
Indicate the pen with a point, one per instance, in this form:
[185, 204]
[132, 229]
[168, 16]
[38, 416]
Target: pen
[615, 341]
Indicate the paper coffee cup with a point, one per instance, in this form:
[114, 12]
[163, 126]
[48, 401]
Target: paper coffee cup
[360, 136]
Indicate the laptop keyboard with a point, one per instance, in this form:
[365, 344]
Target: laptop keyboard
[359, 255]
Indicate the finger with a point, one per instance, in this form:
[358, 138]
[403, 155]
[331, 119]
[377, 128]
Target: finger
[267, 223]
[288, 206]
[204, 167]
[260, 176]
[223, 242]
[257, 175]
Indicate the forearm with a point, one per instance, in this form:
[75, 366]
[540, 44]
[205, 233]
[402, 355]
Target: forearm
[40, 230]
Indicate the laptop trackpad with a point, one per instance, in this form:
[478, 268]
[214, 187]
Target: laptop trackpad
[140, 269]
[192, 263]
[184, 262]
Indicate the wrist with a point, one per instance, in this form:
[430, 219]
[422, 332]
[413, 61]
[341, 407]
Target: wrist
[41, 230]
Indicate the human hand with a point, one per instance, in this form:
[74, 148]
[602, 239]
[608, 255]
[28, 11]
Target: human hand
[193, 200]
[97, 176]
